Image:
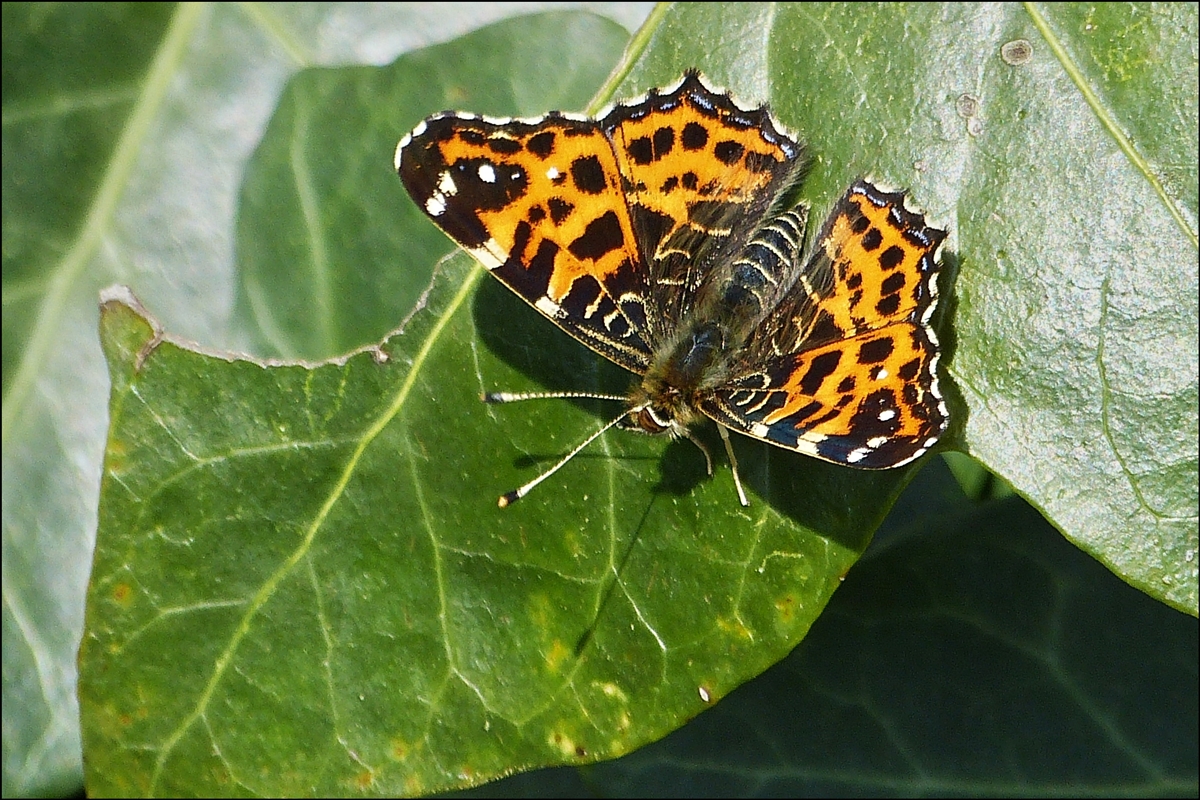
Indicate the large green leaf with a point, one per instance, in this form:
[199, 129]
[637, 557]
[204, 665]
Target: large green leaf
[972, 651]
[632, 553]
[1070, 193]
[577, 626]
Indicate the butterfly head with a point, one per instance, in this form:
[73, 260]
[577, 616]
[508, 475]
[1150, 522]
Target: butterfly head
[657, 406]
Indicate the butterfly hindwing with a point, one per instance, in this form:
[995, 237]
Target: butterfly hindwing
[845, 368]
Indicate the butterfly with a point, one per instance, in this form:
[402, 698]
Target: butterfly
[665, 235]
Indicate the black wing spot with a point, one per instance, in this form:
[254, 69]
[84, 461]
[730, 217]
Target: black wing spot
[541, 144]
[695, 136]
[888, 305]
[801, 416]
[872, 239]
[536, 279]
[876, 350]
[560, 209]
[821, 368]
[891, 258]
[504, 146]
[641, 150]
[664, 141]
[521, 237]
[894, 283]
[601, 237]
[588, 175]
[728, 151]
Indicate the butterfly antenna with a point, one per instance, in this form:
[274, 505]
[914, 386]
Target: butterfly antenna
[513, 397]
[509, 498]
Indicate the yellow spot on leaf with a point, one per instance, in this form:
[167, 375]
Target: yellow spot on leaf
[122, 592]
[557, 654]
[735, 628]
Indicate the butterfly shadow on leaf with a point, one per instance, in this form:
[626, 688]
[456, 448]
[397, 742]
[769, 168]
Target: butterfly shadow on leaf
[552, 361]
[833, 501]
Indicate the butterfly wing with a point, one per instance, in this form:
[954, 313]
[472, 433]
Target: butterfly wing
[540, 204]
[700, 174]
[845, 367]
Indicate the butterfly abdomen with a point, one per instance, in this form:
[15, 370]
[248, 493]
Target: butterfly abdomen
[758, 277]
[729, 309]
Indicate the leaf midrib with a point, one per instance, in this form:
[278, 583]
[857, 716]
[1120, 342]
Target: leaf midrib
[65, 274]
[1109, 123]
[267, 590]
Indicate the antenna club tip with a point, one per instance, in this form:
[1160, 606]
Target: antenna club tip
[508, 499]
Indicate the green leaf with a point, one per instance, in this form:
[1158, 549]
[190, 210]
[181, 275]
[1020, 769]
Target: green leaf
[1071, 199]
[972, 651]
[576, 626]
[126, 133]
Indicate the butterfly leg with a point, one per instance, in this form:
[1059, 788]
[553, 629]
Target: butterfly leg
[700, 446]
[737, 479]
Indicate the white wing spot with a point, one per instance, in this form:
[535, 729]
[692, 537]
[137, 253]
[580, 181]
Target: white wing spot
[553, 173]
[876, 442]
[486, 173]
[548, 307]
[807, 444]
[489, 255]
[435, 206]
[886, 414]
[880, 374]
[759, 430]
[857, 455]
[446, 184]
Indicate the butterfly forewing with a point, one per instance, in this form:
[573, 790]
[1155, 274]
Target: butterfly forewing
[540, 205]
[700, 175]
